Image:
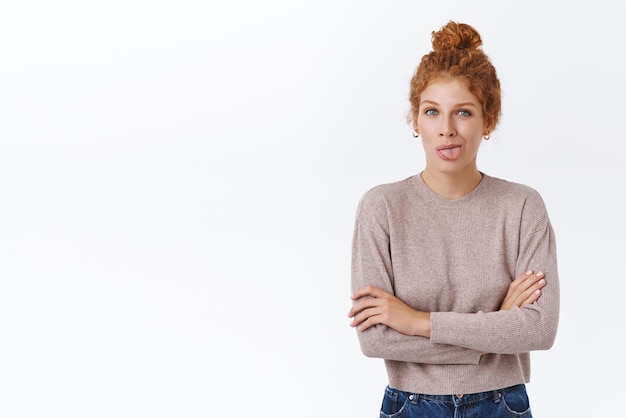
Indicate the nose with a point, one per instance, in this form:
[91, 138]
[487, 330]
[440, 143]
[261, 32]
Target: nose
[447, 128]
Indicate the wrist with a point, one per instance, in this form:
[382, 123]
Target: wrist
[422, 324]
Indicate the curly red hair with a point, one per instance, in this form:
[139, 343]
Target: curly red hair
[457, 54]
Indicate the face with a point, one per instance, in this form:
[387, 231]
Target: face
[451, 124]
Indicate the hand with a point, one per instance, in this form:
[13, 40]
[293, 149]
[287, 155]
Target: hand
[375, 306]
[524, 290]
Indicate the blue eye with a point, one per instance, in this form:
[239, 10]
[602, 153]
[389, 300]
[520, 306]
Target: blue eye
[464, 112]
[430, 112]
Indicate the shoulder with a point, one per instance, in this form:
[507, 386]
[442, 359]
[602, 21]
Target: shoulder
[380, 205]
[380, 197]
[510, 188]
[505, 190]
[522, 197]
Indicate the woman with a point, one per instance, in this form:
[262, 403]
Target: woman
[454, 272]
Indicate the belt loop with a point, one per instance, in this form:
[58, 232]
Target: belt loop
[414, 398]
[497, 395]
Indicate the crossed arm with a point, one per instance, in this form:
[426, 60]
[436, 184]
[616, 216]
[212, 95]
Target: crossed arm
[375, 306]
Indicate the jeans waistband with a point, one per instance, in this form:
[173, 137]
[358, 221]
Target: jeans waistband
[457, 399]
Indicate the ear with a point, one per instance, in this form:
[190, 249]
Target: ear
[488, 127]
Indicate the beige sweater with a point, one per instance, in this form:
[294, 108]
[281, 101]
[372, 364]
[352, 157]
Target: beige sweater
[456, 259]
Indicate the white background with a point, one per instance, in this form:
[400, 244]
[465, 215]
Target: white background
[178, 183]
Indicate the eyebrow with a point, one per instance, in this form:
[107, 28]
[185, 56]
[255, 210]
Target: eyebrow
[456, 105]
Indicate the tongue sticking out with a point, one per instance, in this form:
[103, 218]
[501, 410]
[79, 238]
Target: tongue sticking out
[450, 153]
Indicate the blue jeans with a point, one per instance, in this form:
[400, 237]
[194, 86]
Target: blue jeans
[510, 402]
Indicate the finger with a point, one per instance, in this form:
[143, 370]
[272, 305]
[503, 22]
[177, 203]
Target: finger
[516, 286]
[367, 291]
[532, 283]
[536, 292]
[364, 315]
[361, 304]
[369, 322]
[534, 297]
[531, 294]
[525, 297]
[526, 281]
[522, 277]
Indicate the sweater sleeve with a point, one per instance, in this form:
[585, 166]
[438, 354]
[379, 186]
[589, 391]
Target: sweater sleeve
[532, 327]
[372, 265]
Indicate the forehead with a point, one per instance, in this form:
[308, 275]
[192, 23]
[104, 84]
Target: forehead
[448, 92]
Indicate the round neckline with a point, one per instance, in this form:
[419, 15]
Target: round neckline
[430, 195]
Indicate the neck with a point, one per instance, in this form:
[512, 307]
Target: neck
[451, 185]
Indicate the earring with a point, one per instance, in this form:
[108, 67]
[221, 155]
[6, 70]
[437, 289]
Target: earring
[416, 134]
[486, 136]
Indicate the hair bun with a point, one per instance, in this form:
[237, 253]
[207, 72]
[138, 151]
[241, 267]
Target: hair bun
[456, 36]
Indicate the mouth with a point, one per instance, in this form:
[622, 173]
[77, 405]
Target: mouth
[449, 152]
